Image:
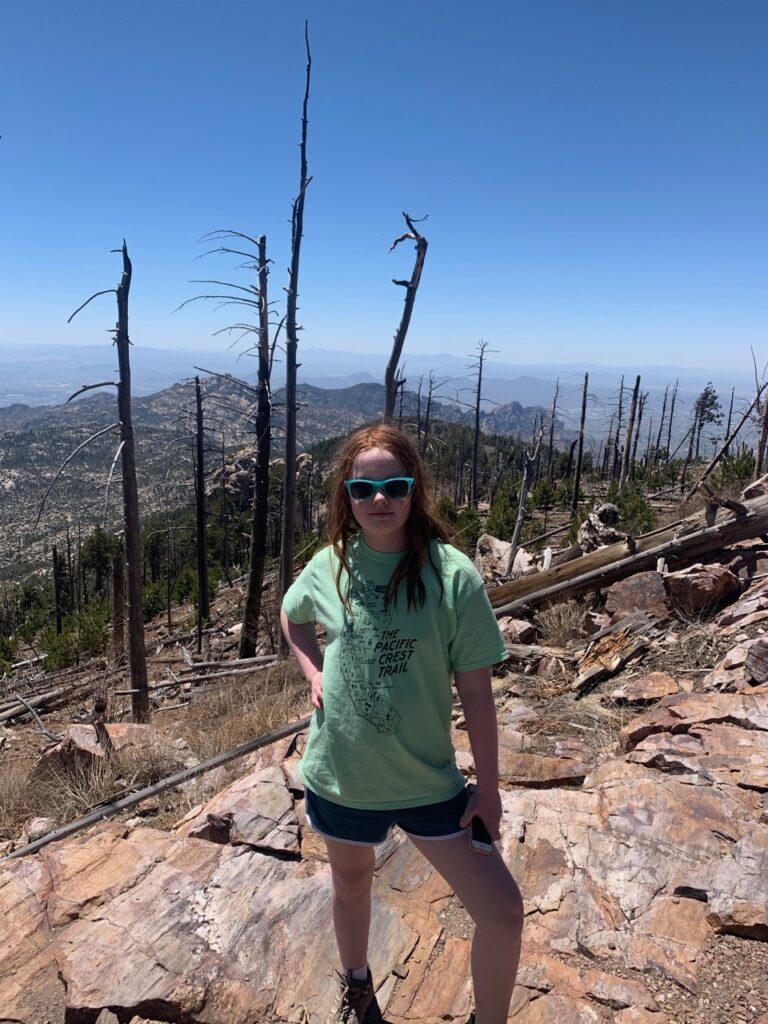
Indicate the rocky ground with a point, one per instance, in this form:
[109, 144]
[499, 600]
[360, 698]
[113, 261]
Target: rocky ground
[635, 820]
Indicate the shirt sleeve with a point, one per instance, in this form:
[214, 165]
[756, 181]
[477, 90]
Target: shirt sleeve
[478, 641]
[299, 600]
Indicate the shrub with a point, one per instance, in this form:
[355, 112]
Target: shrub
[7, 653]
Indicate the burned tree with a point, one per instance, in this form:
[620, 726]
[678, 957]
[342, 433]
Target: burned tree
[291, 343]
[131, 533]
[411, 287]
[203, 594]
[630, 428]
[482, 348]
[580, 451]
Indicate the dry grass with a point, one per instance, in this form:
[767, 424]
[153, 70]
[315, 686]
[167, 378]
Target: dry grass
[596, 724]
[240, 711]
[560, 623]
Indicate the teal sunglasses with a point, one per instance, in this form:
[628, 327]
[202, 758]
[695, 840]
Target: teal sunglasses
[393, 487]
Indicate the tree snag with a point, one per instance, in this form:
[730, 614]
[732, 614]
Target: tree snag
[411, 287]
[291, 344]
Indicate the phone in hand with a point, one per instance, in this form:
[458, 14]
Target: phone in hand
[479, 837]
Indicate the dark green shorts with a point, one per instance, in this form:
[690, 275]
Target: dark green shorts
[367, 828]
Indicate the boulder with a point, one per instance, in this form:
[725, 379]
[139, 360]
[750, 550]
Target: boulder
[256, 810]
[491, 557]
[645, 689]
[700, 588]
[517, 631]
[643, 592]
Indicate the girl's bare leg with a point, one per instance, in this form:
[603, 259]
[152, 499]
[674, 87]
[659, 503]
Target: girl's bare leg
[352, 875]
[492, 899]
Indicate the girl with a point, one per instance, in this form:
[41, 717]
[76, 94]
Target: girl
[403, 612]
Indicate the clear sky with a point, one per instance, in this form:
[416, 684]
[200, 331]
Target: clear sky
[594, 170]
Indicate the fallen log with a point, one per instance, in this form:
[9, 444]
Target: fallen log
[169, 684]
[685, 540]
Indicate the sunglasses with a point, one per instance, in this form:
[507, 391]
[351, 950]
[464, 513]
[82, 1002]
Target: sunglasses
[393, 487]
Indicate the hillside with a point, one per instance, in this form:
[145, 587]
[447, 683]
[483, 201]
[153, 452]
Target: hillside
[36, 440]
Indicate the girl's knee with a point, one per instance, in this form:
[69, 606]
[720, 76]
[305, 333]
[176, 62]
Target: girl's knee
[506, 912]
[352, 882]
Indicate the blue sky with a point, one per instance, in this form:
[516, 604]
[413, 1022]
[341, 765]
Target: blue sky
[593, 170]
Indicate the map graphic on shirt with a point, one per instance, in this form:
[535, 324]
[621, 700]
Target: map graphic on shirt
[371, 654]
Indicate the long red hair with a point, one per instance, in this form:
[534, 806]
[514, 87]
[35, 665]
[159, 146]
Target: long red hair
[422, 526]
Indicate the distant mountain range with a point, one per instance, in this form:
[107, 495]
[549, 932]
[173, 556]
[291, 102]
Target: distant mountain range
[48, 374]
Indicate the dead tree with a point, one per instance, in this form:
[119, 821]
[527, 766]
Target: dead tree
[616, 449]
[669, 426]
[411, 287]
[640, 410]
[203, 592]
[131, 533]
[661, 427]
[624, 473]
[550, 460]
[580, 452]
[529, 463]
[482, 348]
[291, 345]
[730, 416]
[260, 505]
[760, 453]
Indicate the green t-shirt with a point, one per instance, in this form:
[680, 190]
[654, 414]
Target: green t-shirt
[382, 739]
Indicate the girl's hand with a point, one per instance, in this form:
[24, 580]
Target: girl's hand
[486, 805]
[316, 690]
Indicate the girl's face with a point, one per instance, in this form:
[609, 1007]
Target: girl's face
[381, 519]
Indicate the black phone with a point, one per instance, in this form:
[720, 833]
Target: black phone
[479, 837]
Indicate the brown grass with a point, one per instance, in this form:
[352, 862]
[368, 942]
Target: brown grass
[560, 623]
[596, 724]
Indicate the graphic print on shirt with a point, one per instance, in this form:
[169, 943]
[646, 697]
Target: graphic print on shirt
[371, 653]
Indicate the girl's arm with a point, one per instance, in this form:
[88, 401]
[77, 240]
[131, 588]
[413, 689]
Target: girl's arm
[302, 640]
[476, 696]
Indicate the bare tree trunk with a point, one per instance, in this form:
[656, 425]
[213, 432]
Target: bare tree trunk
[628, 440]
[689, 456]
[137, 657]
[661, 427]
[260, 506]
[203, 595]
[640, 410]
[118, 607]
[760, 457]
[529, 463]
[550, 459]
[428, 412]
[291, 335]
[616, 450]
[481, 348]
[580, 453]
[57, 588]
[730, 415]
[669, 427]
[411, 287]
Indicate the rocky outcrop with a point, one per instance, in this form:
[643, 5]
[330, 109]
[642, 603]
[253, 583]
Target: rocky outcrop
[226, 919]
